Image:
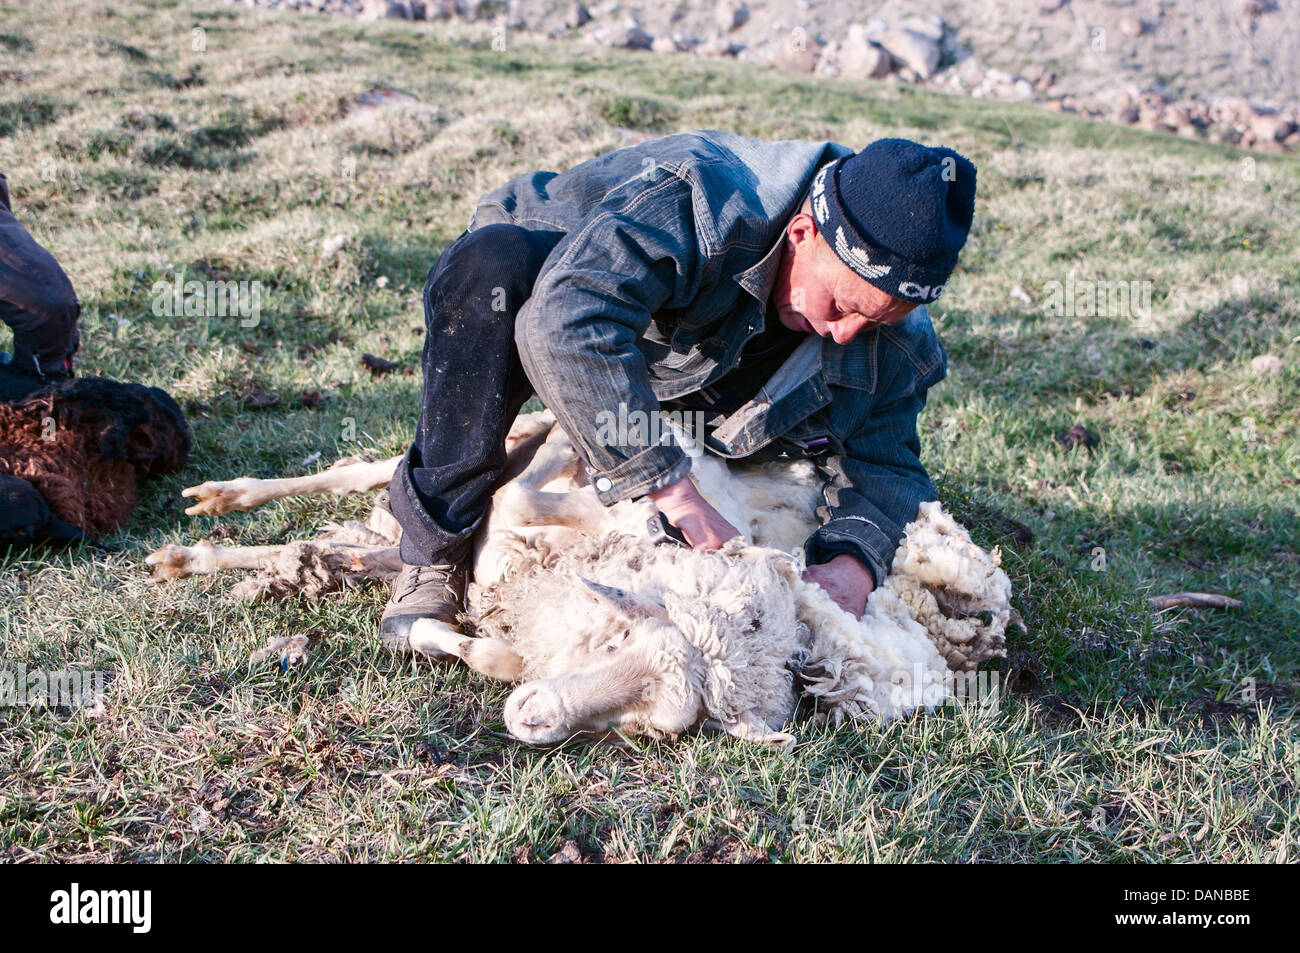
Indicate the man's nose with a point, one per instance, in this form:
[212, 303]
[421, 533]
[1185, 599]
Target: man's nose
[846, 329]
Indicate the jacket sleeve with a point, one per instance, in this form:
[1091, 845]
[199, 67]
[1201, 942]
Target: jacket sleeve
[577, 334]
[874, 488]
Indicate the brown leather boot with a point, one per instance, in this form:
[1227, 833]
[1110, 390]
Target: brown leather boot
[422, 592]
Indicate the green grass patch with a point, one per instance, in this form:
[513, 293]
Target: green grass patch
[1121, 734]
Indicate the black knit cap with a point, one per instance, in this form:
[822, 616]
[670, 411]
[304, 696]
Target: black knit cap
[897, 213]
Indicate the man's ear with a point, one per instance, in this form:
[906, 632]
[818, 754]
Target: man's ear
[801, 229]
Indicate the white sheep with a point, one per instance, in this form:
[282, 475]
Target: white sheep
[616, 633]
[608, 631]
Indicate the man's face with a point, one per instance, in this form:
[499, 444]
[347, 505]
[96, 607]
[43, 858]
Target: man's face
[817, 293]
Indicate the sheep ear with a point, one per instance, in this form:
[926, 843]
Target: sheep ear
[629, 604]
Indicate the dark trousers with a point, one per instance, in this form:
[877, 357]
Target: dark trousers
[474, 385]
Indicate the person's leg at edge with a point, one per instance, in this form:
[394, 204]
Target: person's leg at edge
[474, 386]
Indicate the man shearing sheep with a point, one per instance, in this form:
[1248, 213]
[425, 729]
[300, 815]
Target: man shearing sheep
[777, 287]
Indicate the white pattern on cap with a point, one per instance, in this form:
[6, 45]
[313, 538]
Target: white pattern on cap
[857, 257]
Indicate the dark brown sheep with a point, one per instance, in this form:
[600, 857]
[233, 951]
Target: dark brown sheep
[82, 445]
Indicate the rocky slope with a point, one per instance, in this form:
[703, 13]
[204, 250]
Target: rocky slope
[1227, 70]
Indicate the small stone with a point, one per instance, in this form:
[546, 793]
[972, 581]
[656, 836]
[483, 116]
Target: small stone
[1132, 26]
[731, 15]
[1033, 73]
[664, 44]
[798, 57]
[569, 852]
[1267, 364]
[1078, 436]
[629, 36]
[970, 71]
[381, 9]
[1270, 128]
[717, 45]
[1050, 6]
[577, 16]
[828, 64]
[917, 52]
[859, 58]
[931, 26]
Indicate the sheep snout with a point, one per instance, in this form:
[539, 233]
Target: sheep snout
[535, 714]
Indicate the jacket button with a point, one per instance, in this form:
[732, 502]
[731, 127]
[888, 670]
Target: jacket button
[603, 484]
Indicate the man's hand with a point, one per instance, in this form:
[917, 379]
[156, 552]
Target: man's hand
[845, 580]
[702, 525]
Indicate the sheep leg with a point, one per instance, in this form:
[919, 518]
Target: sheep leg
[550, 710]
[177, 562]
[495, 658]
[345, 476]
[217, 497]
[555, 458]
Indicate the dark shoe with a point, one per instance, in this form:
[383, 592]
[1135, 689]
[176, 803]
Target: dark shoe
[422, 592]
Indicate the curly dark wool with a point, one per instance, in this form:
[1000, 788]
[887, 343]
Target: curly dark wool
[141, 425]
[105, 435]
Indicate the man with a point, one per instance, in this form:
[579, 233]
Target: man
[37, 301]
[778, 287]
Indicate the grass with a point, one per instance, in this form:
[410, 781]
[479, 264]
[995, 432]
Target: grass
[146, 140]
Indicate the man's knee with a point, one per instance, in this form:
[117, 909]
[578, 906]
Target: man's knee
[491, 266]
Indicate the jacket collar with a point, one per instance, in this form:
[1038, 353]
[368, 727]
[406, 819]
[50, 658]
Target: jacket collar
[759, 279]
[853, 364]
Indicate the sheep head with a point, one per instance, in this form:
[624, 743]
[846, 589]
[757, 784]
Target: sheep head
[667, 638]
[632, 680]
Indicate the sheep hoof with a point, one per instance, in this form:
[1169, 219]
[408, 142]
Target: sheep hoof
[177, 562]
[170, 562]
[221, 497]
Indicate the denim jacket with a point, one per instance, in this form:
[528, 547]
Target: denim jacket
[670, 253]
